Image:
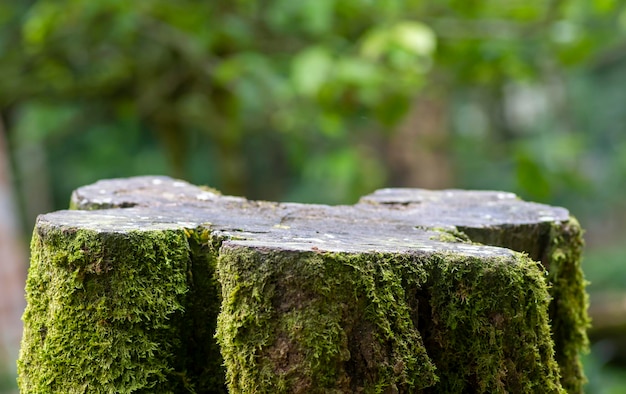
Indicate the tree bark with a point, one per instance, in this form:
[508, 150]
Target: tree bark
[155, 284]
[418, 149]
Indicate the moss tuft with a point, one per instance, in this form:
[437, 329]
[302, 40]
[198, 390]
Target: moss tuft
[337, 322]
[103, 312]
[568, 311]
[487, 329]
[319, 322]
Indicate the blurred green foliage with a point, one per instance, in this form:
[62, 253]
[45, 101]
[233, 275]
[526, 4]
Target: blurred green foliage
[297, 100]
[604, 378]
[302, 100]
[604, 269]
[219, 75]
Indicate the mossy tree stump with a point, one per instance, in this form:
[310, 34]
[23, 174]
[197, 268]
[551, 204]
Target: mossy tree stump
[154, 285]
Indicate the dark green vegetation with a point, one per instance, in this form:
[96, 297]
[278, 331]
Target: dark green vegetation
[170, 283]
[313, 103]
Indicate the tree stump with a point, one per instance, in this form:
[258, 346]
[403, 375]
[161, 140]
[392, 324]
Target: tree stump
[151, 284]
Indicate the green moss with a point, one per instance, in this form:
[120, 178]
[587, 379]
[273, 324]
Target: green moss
[307, 322]
[138, 312]
[568, 310]
[73, 205]
[447, 234]
[104, 312]
[558, 246]
[487, 328]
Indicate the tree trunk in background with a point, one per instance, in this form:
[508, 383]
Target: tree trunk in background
[12, 263]
[418, 152]
[173, 140]
[33, 179]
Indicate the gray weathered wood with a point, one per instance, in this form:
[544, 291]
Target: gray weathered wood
[406, 287]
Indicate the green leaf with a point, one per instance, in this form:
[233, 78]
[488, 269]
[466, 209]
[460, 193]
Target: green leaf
[531, 178]
[318, 15]
[310, 69]
[604, 6]
[357, 71]
[39, 23]
[414, 38]
[391, 110]
[375, 43]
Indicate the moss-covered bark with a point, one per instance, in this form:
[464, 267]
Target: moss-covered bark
[488, 329]
[103, 312]
[568, 310]
[333, 322]
[121, 312]
[177, 289]
[308, 322]
[558, 246]
[546, 234]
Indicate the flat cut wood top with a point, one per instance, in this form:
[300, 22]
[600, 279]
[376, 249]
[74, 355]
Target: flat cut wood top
[389, 220]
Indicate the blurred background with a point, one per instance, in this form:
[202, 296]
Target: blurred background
[321, 101]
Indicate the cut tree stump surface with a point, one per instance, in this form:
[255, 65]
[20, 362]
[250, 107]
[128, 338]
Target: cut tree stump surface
[385, 221]
[408, 290]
